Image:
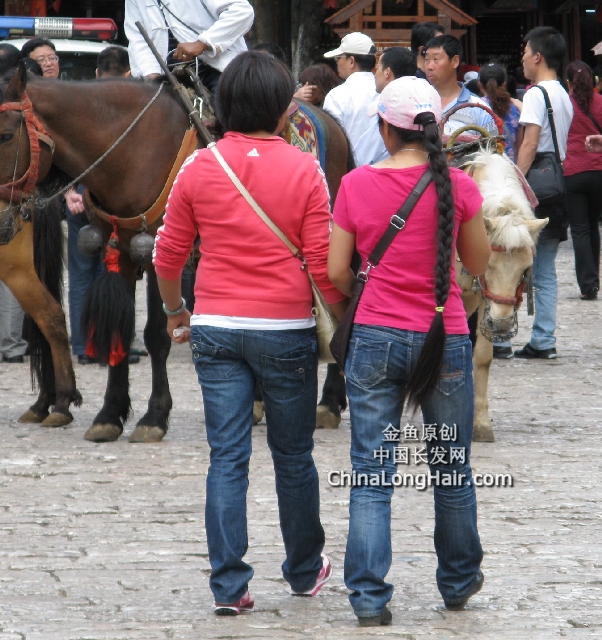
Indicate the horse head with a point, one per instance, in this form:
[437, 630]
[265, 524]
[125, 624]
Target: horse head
[512, 230]
[25, 147]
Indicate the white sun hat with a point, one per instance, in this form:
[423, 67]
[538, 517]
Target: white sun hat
[356, 43]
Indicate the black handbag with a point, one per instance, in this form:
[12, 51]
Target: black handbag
[339, 345]
[545, 176]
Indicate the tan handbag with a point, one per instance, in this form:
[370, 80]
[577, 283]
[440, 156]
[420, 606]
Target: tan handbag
[326, 323]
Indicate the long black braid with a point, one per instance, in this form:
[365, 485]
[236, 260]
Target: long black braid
[427, 372]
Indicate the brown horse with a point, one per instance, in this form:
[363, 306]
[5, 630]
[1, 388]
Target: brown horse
[31, 260]
[84, 119]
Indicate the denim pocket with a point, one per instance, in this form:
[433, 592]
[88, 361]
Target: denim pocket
[453, 374]
[212, 363]
[284, 378]
[369, 362]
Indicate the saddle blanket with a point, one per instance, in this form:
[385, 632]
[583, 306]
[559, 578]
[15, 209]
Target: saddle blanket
[306, 132]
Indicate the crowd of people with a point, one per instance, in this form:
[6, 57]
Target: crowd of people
[252, 321]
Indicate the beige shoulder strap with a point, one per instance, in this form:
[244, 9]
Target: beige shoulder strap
[249, 198]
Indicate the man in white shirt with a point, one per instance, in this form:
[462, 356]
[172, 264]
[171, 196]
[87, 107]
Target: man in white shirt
[211, 30]
[442, 57]
[348, 103]
[544, 54]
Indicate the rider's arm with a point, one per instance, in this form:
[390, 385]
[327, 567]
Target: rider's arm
[233, 19]
[473, 245]
[142, 60]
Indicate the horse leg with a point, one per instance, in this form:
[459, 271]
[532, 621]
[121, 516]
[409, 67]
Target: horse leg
[333, 400]
[48, 315]
[483, 355]
[152, 427]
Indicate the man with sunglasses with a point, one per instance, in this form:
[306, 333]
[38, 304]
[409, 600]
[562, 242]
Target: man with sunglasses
[422, 32]
[348, 103]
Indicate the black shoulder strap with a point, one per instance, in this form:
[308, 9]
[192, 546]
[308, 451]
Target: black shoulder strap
[398, 221]
[550, 111]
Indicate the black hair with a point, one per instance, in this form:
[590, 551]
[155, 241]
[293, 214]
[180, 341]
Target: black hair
[422, 32]
[549, 43]
[365, 62]
[427, 372]
[493, 77]
[473, 87]
[581, 77]
[113, 61]
[271, 47]
[400, 60]
[9, 58]
[253, 93]
[449, 44]
[34, 43]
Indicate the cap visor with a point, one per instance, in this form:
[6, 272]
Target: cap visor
[333, 53]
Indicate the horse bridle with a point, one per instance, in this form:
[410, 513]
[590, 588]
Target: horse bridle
[515, 301]
[21, 189]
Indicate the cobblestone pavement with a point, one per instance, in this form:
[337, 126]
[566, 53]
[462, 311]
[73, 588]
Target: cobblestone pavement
[106, 541]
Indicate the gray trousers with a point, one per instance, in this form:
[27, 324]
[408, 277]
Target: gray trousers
[11, 324]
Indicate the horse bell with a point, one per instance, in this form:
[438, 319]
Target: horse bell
[90, 240]
[141, 248]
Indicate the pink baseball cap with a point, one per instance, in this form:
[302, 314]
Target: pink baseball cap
[403, 99]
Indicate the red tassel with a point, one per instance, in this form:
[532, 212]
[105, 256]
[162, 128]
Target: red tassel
[111, 260]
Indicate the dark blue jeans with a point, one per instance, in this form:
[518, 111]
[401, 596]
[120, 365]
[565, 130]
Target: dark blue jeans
[228, 362]
[378, 365]
[82, 270]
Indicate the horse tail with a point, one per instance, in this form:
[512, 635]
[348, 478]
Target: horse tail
[48, 263]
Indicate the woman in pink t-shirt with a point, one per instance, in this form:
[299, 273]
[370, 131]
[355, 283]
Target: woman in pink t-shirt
[409, 341]
[583, 177]
[252, 321]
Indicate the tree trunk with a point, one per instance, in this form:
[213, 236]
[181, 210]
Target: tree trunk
[306, 33]
[264, 26]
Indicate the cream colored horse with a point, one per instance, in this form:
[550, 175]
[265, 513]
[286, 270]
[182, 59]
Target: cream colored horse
[512, 229]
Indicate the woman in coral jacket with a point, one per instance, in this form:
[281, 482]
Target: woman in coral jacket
[253, 319]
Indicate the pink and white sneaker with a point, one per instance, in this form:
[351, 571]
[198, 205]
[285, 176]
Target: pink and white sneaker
[246, 603]
[323, 577]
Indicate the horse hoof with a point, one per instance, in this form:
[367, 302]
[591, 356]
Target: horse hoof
[147, 434]
[56, 419]
[103, 433]
[325, 419]
[31, 417]
[482, 434]
[257, 412]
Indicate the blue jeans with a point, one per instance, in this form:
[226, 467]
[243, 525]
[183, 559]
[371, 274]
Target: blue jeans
[378, 365]
[82, 270]
[284, 363]
[545, 284]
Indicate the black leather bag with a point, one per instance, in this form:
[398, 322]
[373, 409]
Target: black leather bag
[339, 345]
[545, 176]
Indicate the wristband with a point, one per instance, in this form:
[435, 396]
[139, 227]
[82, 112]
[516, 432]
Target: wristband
[177, 312]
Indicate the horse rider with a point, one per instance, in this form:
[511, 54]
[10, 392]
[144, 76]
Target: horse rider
[208, 30]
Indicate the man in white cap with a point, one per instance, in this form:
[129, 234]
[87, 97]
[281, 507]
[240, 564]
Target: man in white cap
[348, 103]
[210, 30]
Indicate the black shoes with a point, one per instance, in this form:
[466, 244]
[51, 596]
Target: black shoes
[475, 587]
[529, 352]
[502, 353]
[87, 360]
[592, 294]
[13, 359]
[384, 619]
